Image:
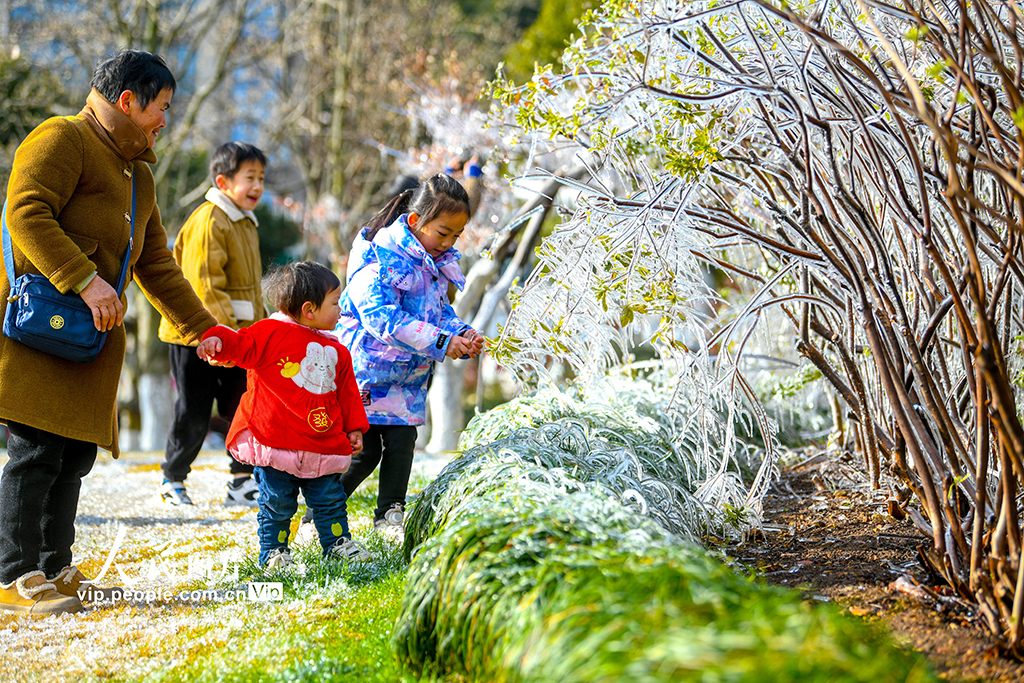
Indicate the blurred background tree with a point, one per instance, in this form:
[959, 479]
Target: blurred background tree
[27, 96]
[546, 39]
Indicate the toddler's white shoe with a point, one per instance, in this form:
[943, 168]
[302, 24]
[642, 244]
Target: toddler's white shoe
[393, 521]
[244, 492]
[347, 549]
[279, 558]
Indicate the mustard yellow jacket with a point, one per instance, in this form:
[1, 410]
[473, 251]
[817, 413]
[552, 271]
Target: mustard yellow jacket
[67, 200]
[218, 250]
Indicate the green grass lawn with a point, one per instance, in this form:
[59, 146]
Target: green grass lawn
[334, 622]
[341, 634]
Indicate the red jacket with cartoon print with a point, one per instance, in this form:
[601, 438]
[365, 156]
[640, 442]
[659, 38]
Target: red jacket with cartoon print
[301, 392]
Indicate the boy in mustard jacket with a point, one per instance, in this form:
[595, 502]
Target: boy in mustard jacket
[218, 251]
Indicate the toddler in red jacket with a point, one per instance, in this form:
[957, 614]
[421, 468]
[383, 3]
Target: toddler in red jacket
[301, 418]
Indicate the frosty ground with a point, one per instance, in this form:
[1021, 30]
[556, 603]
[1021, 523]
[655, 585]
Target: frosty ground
[185, 612]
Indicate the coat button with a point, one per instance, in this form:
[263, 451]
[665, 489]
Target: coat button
[127, 173]
[127, 218]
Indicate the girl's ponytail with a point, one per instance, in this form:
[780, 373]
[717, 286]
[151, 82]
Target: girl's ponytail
[395, 207]
[436, 195]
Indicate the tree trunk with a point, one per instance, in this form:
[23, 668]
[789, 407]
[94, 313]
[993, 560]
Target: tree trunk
[156, 406]
[156, 395]
[445, 397]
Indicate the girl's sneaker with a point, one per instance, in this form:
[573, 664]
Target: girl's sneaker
[347, 549]
[393, 521]
[279, 558]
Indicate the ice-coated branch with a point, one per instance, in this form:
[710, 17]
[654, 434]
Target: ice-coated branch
[852, 165]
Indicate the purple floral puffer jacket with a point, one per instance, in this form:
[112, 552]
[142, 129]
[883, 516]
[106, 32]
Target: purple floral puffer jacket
[396, 321]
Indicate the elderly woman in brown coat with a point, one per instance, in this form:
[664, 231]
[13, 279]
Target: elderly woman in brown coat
[68, 212]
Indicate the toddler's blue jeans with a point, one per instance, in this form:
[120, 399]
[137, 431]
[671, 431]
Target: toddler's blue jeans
[279, 499]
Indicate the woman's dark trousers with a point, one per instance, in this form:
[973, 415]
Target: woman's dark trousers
[39, 490]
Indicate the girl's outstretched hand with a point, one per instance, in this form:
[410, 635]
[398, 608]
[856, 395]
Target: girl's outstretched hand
[356, 439]
[477, 340]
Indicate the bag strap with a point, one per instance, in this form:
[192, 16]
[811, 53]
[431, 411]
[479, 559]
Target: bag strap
[131, 242]
[7, 247]
[9, 254]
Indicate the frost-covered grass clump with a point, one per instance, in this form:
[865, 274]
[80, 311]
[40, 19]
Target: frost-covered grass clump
[640, 438]
[571, 450]
[534, 576]
[632, 413]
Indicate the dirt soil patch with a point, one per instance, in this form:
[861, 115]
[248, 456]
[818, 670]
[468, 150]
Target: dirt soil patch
[828, 533]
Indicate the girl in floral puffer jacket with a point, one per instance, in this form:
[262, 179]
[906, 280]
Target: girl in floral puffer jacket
[397, 321]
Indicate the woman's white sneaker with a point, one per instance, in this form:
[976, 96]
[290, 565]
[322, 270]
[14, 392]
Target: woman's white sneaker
[393, 521]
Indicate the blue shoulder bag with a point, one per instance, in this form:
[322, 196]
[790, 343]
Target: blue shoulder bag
[42, 318]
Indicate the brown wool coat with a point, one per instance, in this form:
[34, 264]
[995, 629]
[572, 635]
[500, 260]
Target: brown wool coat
[67, 200]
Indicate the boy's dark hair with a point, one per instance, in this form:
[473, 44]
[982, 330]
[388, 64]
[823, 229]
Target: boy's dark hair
[289, 286]
[144, 73]
[230, 156]
[437, 195]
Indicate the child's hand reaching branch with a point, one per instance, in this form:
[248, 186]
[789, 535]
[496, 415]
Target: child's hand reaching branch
[477, 340]
[468, 344]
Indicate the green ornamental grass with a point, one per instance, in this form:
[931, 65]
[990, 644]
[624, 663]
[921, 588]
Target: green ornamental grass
[579, 453]
[565, 551]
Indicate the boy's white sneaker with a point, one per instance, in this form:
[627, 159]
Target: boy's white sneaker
[174, 493]
[279, 558]
[393, 521]
[245, 493]
[347, 549]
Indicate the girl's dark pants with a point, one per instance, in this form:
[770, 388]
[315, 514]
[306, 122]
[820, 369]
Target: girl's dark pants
[391, 446]
[39, 491]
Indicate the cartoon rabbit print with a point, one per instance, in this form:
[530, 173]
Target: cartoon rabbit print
[317, 370]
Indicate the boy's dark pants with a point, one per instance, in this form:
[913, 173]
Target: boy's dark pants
[199, 384]
[392, 446]
[39, 491]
